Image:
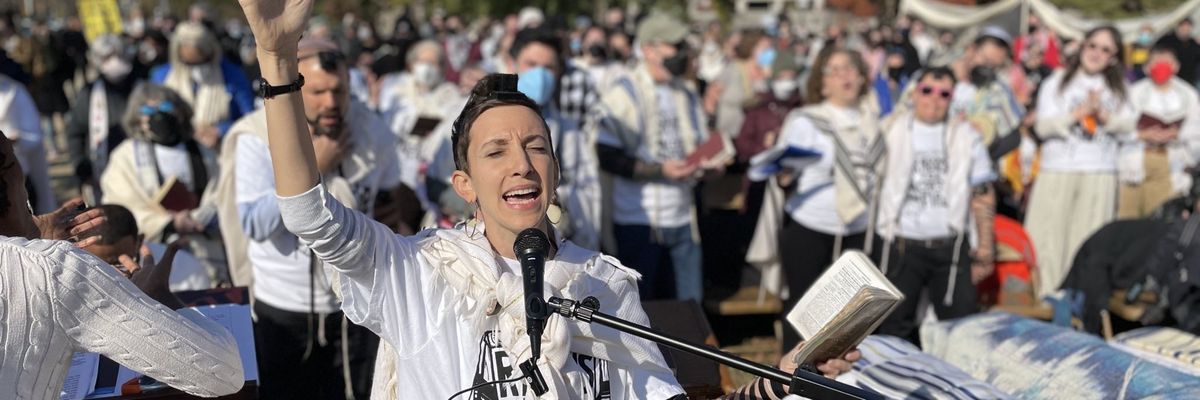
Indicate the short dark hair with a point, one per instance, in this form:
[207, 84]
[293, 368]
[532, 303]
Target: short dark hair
[938, 72]
[331, 61]
[494, 90]
[119, 224]
[1161, 47]
[539, 35]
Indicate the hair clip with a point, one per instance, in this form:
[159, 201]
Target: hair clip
[504, 87]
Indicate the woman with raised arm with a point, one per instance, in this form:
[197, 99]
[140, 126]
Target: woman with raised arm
[449, 302]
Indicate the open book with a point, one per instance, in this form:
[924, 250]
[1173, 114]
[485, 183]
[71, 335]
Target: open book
[842, 308]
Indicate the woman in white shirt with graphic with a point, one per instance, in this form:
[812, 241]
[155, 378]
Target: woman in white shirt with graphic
[1083, 114]
[449, 302]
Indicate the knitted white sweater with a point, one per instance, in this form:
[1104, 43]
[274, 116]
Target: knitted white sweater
[56, 299]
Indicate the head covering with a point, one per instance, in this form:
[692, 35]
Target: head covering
[659, 27]
[312, 45]
[996, 32]
[104, 46]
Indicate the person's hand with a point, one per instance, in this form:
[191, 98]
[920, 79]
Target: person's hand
[329, 151]
[712, 96]
[183, 223]
[68, 223]
[678, 170]
[830, 368]
[983, 263]
[152, 278]
[277, 24]
[208, 135]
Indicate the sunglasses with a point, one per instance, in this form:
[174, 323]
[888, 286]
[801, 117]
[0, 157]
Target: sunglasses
[928, 91]
[1108, 51]
[163, 107]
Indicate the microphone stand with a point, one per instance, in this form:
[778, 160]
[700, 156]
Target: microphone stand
[802, 382]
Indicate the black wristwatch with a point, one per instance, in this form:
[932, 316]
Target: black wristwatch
[266, 91]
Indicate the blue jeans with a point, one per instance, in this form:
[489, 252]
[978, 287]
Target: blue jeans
[659, 253]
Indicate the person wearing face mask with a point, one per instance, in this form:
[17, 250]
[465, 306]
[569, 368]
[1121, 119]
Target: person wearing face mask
[759, 132]
[536, 58]
[1083, 114]
[94, 128]
[1139, 52]
[649, 123]
[211, 84]
[413, 102]
[585, 76]
[1152, 167]
[165, 177]
[991, 91]
[151, 53]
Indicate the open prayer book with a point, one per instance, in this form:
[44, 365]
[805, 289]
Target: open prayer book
[842, 308]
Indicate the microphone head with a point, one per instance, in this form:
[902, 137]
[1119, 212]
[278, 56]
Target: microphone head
[531, 240]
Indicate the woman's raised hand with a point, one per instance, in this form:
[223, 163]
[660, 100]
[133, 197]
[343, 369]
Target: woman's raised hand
[277, 24]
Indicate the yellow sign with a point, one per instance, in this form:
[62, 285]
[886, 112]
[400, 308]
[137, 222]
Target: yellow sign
[100, 17]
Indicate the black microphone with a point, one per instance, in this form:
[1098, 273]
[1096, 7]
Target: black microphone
[531, 248]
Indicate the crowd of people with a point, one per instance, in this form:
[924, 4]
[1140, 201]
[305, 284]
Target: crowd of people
[919, 142]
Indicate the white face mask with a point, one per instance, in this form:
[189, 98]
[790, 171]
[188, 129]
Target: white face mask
[115, 69]
[783, 88]
[426, 74]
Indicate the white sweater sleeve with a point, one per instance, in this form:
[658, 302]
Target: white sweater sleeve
[102, 312]
[376, 267]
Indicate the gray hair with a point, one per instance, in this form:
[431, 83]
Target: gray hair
[146, 92]
[422, 45]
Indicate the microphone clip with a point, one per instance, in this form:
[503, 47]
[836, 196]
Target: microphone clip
[537, 383]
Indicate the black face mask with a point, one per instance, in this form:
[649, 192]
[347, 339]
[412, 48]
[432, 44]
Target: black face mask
[677, 65]
[894, 73]
[982, 75]
[598, 52]
[165, 129]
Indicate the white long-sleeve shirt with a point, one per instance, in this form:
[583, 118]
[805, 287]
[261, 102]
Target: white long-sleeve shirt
[57, 299]
[390, 285]
[1067, 147]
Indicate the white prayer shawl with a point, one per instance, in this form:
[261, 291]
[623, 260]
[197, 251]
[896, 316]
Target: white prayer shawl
[1180, 102]
[367, 130]
[859, 152]
[466, 263]
[98, 127]
[207, 95]
[960, 139]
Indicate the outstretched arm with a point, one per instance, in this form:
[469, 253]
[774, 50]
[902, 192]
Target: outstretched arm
[277, 25]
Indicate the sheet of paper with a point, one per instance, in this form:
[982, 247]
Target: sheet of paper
[81, 377]
[236, 318]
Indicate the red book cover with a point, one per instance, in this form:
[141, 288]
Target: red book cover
[175, 196]
[707, 150]
[1147, 122]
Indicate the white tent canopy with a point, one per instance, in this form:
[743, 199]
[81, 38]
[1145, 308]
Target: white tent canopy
[1066, 23]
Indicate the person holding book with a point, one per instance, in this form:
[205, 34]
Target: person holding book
[1083, 113]
[935, 207]
[448, 301]
[829, 207]
[1152, 167]
[165, 177]
[649, 122]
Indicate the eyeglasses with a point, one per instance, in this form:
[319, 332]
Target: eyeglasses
[1108, 51]
[163, 107]
[929, 90]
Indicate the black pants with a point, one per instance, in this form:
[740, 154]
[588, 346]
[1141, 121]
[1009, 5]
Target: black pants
[913, 267]
[725, 237]
[282, 338]
[805, 254]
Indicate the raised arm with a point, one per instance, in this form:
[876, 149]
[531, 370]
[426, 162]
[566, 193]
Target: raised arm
[277, 25]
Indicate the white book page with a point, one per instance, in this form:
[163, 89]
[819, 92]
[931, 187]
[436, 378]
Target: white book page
[833, 291]
[81, 377]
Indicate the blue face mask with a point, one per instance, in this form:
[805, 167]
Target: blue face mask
[538, 84]
[576, 46]
[766, 58]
